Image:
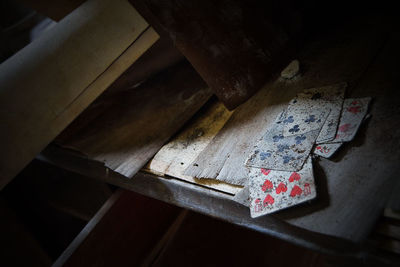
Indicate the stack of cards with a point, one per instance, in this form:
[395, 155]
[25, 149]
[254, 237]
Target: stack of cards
[352, 115]
[310, 118]
[280, 166]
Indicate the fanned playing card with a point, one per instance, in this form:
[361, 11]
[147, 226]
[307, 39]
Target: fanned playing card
[331, 96]
[304, 115]
[272, 190]
[326, 150]
[304, 112]
[353, 113]
[285, 153]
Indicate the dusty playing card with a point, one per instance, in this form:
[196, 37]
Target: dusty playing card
[304, 115]
[272, 190]
[331, 96]
[285, 153]
[326, 150]
[353, 113]
[305, 111]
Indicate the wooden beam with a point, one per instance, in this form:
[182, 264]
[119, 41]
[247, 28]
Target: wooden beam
[233, 45]
[124, 232]
[127, 128]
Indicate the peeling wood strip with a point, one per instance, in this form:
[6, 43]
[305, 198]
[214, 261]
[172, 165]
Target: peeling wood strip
[174, 157]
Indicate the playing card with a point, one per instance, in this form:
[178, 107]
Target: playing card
[353, 113]
[272, 190]
[285, 153]
[326, 150]
[304, 115]
[330, 96]
[305, 111]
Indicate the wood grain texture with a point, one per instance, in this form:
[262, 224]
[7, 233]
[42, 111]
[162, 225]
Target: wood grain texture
[122, 233]
[363, 176]
[234, 45]
[199, 199]
[125, 130]
[49, 82]
[173, 158]
[353, 186]
[342, 56]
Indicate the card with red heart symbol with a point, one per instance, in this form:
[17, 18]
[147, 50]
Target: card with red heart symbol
[326, 150]
[272, 190]
[353, 113]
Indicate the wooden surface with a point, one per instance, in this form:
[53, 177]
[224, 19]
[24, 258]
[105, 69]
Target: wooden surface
[356, 185]
[122, 233]
[48, 83]
[173, 158]
[353, 187]
[233, 45]
[340, 57]
[197, 198]
[125, 130]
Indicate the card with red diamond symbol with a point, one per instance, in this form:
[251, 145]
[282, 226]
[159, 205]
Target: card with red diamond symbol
[326, 150]
[272, 190]
[353, 113]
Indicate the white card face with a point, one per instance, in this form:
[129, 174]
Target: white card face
[277, 152]
[331, 96]
[326, 150]
[307, 106]
[304, 115]
[353, 113]
[272, 190]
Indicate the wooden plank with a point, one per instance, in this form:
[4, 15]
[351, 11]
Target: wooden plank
[123, 233]
[49, 82]
[126, 129]
[357, 183]
[173, 158]
[199, 199]
[341, 56]
[233, 45]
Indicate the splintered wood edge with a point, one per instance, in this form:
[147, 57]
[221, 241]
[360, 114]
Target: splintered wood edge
[172, 159]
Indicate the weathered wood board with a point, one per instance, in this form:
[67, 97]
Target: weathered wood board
[341, 56]
[233, 45]
[47, 84]
[352, 186]
[126, 129]
[174, 157]
[356, 184]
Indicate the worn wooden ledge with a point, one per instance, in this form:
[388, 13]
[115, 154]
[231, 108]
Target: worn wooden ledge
[196, 198]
